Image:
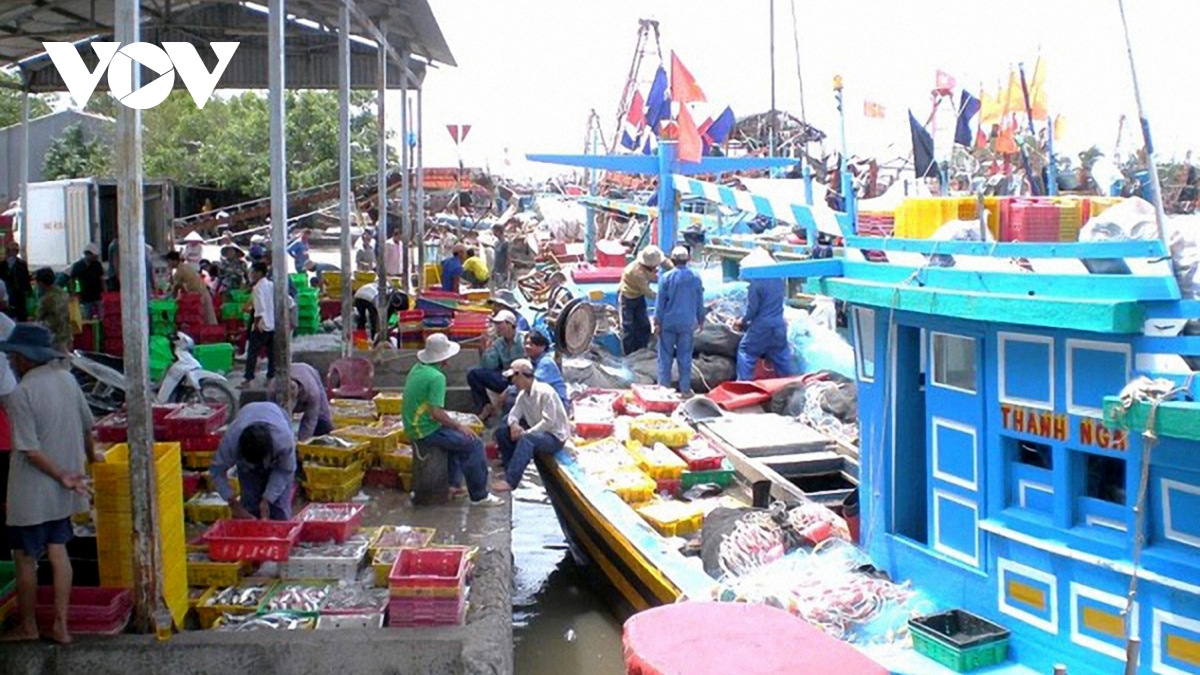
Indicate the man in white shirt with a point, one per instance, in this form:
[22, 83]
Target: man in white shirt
[392, 254]
[262, 332]
[537, 424]
[365, 257]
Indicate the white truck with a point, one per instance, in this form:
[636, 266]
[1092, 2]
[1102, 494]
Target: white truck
[61, 221]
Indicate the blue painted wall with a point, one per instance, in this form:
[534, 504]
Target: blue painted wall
[1029, 538]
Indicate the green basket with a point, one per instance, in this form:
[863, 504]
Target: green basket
[239, 296]
[986, 646]
[217, 357]
[722, 476]
[231, 310]
[299, 279]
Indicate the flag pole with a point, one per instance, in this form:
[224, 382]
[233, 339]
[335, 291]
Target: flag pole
[1051, 161]
[1159, 213]
[1034, 181]
[774, 125]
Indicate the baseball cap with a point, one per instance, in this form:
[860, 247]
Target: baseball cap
[505, 316]
[522, 366]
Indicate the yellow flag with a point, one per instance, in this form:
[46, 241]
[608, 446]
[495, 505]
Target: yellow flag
[1037, 92]
[1060, 126]
[1012, 99]
[989, 108]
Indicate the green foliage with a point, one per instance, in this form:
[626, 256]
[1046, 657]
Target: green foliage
[10, 102]
[73, 155]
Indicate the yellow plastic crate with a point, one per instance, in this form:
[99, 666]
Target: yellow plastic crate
[382, 562]
[631, 485]
[651, 429]
[198, 512]
[379, 441]
[399, 459]
[312, 452]
[198, 460]
[317, 476]
[208, 611]
[672, 519]
[658, 462]
[336, 493]
[394, 425]
[114, 472]
[389, 402]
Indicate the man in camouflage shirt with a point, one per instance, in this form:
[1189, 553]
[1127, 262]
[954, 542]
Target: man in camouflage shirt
[54, 310]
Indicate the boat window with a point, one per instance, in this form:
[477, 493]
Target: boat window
[864, 343]
[1105, 479]
[1030, 473]
[1035, 454]
[1095, 370]
[954, 362]
[1026, 370]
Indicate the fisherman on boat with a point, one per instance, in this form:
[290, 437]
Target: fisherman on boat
[634, 291]
[765, 330]
[678, 314]
[537, 424]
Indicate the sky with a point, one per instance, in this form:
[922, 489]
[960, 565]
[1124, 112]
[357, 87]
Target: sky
[529, 71]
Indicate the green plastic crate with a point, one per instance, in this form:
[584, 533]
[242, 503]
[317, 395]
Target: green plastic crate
[240, 296]
[8, 578]
[231, 310]
[299, 280]
[722, 476]
[217, 357]
[986, 645]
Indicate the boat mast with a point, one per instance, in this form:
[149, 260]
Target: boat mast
[774, 130]
[1159, 214]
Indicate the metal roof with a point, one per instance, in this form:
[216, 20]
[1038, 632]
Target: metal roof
[311, 39]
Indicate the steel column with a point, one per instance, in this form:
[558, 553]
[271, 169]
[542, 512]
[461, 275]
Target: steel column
[420, 192]
[344, 175]
[276, 20]
[381, 229]
[24, 167]
[405, 201]
[147, 563]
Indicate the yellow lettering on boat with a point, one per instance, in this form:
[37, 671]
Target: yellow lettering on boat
[1027, 595]
[1103, 621]
[1184, 649]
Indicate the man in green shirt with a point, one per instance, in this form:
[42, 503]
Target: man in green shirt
[428, 424]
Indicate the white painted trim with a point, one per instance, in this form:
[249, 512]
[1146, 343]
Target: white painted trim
[1158, 618]
[1003, 337]
[859, 357]
[891, 409]
[993, 527]
[1074, 343]
[933, 361]
[1003, 567]
[1024, 486]
[1101, 521]
[973, 484]
[972, 560]
[1163, 327]
[1117, 602]
[1169, 530]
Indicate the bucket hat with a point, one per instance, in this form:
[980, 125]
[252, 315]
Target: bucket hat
[438, 348]
[32, 341]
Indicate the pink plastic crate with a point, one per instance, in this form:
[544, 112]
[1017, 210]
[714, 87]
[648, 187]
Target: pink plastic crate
[432, 567]
[415, 612]
[251, 540]
[700, 456]
[183, 423]
[655, 398]
[325, 530]
[112, 428]
[92, 610]
[1032, 221]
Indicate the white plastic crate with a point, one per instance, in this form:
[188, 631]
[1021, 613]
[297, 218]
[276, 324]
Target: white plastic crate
[301, 566]
[328, 621]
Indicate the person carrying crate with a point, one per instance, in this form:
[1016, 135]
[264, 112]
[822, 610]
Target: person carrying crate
[259, 442]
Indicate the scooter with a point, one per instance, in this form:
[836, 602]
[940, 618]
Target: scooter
[104, 385]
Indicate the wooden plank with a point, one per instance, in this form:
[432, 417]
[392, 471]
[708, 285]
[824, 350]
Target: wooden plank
[754, 471]
[1175, 419]
[1078, 250]
[1075, 314]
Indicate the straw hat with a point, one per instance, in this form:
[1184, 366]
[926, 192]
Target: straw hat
[438, 348]
[505, 316]
[759, 257]
[681, 253]
[194, 236]
[522, 366]
[651, 256]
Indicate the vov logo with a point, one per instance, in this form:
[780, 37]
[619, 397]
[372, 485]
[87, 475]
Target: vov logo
[119, 61]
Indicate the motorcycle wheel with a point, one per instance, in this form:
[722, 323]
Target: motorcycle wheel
[213, 392]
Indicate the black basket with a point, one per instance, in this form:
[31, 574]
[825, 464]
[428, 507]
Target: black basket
[960, 628]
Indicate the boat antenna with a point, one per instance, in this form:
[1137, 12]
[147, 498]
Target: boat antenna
[774, 129]
[1159, 214]
[799, 74]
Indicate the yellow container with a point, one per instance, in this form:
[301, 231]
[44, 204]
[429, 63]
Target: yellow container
[398, 459]
[388, 402]
[433, 275]
[382, 562]
[341, 492]
[362, 279]
[631, 485]
[198, 512]
[313, 452]
[207, 611]
[198, 460]
[672, 519]
[657, 462]
[394, 424]
[379, 440]
[1101, 204]
[200, 573]
[317, 476]
[651, 429]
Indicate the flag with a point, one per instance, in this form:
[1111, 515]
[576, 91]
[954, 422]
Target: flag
[944, 83]
[628, 141]
[923, 162]
[1060, 126]
[989, 107]
[691, 147]
[466, 129]
[637, 111]
[453, 129]
[719, 130]
[1006, 142]
[1037, 92]
[658, 106]
[874, 110]
[683, 86]
[1012, 99]
[968, 107]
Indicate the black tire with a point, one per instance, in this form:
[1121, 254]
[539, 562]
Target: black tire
[212, 391]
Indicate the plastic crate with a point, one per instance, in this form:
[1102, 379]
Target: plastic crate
[959, 640]
[198, 461]
[700, 455]
[1030, 221]
[339, 530]
[112, 428]
[253, 540]
[432, 571]
[91, 610]
[398, 459]
[389, 402]
[315, 451]
[379, 440]
[206, 572]
[201, 508]
[651, 429]
[722, 476]
[336, 621]
[657, 461]
[210, 608]
[335, 493]
[631, 485]
[206, 443]
[655, 398]
[312, 563]
[594, 421]
[217, 357]
[273, 603]
[396, 537]
[671, 518]
[419, 612]
[195, 420]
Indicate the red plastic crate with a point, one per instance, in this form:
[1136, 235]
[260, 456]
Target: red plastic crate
[670, 487]
[180, 424]
[433, 567]
[380, 477]
[325, 530]
[596, 275]
[112, 428]
[425, 611]
[700, 456]
[655, 398]
[191, 483]
[1031, 221]
[331, 308]
[91, 610]
[251, 540]
[208, 334]
[114, 346]
[205, 443]
[159, 412]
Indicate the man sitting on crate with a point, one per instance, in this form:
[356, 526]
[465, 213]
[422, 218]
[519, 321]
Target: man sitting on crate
[494, 358]
[537, 425]
[309, 399]
[260, 443]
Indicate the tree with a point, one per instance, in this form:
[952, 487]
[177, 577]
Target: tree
[10, 102]
[74, 155]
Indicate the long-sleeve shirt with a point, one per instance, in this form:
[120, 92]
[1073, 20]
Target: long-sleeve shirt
[298, 249]
[310, 399]
[765, 303]
[264, 303]
[502, 353]
[90, 275]
[393, 258]
[54, 310]
[542, 410]
[280, 459]
[546, 370]
[635, 282]
[680, 300]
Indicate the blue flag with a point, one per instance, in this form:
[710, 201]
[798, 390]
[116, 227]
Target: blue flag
[721, 127]
[658, 105]
[968, 108]
[923, 163]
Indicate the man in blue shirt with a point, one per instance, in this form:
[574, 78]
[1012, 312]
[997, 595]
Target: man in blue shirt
[260, 443]
[298, 249]
[495, 358]
[452, 268]
[766, 331]
[678, 314]
[537, 350]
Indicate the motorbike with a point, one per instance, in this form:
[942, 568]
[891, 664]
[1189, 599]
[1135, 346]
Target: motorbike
[102, 378]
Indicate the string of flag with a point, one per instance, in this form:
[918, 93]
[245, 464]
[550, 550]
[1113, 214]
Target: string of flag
[666, 113]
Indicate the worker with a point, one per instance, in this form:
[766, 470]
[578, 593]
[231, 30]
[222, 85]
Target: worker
[193, 249]
[496, 355]
[765, 330]
[537, 424]
[452, 268]
[54, 309]
[500, 264]
[299, 249]
[634, 290]
[475, 271]
[88, 273]
[364, 258]
[678, 314]
[185, 279]
[308, 398]
[14, 273]
[259, 442]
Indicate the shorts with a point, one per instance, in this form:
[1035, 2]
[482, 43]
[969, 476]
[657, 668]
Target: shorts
[32, 540]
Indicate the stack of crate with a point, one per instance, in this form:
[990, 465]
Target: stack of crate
[309, 312]
[114, 523]
[235, 317]
[428, 586]
[110, 318]
[162, 316]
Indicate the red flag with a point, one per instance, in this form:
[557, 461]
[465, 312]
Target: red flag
[873, 109]
[945, 83]
[466, 129]
[691, 148]
[453, 129]
[637, 110]
[683, 86]
[1006, 142]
